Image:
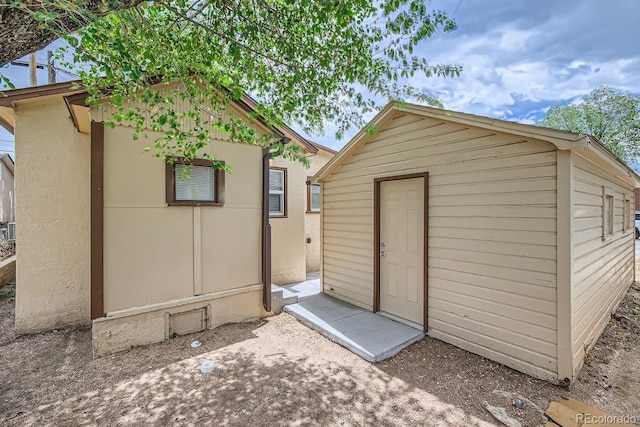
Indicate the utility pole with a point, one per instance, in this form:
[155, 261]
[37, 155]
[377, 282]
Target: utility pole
[51, 71]
[34, 66]
[33, 75]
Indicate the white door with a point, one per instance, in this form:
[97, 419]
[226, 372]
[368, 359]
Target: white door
[402, 248]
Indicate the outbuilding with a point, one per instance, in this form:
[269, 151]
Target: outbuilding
[512, 241]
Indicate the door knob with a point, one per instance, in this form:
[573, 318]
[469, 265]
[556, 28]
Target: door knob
[383, 244]
[383, 253]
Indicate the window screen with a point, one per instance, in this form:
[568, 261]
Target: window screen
[277, 192]
[199, 185]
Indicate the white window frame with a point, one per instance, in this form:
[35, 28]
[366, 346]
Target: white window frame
[311, 209]
[282, 213]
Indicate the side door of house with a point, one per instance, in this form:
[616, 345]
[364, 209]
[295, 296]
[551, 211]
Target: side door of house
[402, 265]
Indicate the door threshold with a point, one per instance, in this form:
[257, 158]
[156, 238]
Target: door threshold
[401, 320]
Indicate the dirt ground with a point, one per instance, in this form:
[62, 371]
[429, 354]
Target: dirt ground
[279, 372]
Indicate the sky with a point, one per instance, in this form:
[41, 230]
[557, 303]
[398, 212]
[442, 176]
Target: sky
[519, 57]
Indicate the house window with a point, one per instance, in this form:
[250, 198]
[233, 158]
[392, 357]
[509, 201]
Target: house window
[313, 197]
[277, 192]
[607, 212]
[194, 183]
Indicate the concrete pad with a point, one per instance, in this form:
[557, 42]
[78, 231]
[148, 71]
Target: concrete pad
[282, 295]
[369, 335]
[302, 290]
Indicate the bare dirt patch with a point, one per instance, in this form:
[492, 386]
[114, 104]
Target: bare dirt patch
[279, 372]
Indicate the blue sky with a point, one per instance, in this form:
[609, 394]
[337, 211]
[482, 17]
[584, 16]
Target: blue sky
[519, 56]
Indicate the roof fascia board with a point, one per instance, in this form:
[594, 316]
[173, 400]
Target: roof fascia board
[8, 98]
[562, 140]
[599, 154]
[324, 148]
[249, 104]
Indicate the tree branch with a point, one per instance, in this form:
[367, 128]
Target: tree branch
[21, 34]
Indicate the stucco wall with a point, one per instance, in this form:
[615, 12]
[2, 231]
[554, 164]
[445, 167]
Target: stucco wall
[288, 233]
[312, 219]
[7, 199]
[155, 253]
[52, 210]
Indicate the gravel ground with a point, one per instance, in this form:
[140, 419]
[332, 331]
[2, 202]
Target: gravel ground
[279, 372]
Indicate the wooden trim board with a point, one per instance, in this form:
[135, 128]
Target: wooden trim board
[569, 412]
[97, 220]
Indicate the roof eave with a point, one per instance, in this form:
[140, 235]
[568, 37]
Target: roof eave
[563, 140]
[5, 123]
[353, 143]
[624, 172]
[7, 98]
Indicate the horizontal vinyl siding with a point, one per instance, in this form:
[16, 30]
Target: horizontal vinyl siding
[602, 270]
[492, 234]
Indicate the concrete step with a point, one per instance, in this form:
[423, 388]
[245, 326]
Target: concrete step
[281, 297]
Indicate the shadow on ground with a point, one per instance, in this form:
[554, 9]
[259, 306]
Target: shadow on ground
[279, 372]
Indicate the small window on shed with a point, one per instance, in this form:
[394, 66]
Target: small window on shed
[607, 212]
[194, 183]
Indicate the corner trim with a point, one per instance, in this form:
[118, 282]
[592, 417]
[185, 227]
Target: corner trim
[175, 304]
[97, 220]
[564, 273]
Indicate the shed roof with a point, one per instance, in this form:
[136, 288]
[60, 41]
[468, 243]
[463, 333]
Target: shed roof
[563, 140]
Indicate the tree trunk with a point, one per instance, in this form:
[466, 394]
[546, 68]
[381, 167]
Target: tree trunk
[21, 34]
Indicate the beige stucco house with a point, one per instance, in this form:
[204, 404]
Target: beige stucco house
[116, 237]
[511, 241]
[7, 197]
[297, 203]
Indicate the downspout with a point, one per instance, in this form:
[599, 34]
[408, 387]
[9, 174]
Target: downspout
[266, 227]
[266, 233]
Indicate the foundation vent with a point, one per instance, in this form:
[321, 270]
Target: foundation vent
[187, 322]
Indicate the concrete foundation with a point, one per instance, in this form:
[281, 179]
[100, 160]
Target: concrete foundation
[121, 330]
